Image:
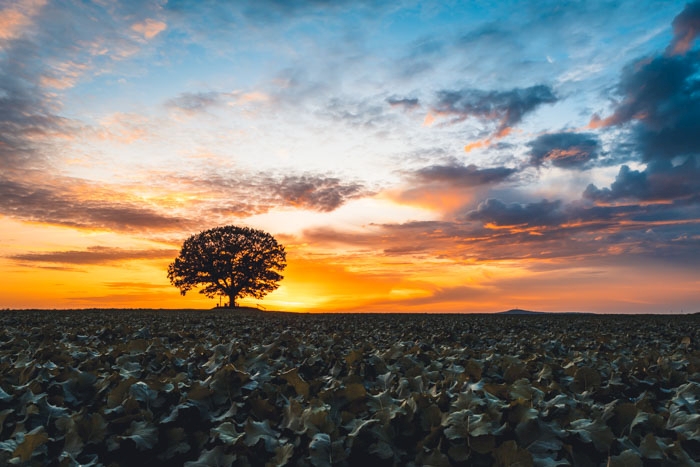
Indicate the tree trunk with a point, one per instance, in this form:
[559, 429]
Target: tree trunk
[232, 301]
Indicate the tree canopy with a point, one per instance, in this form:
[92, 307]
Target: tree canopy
[229, 261]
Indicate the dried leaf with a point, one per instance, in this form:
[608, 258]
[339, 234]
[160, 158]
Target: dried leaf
[283, 454]
[509, 454]
[30, 442]
[355, 391]
[297, 382]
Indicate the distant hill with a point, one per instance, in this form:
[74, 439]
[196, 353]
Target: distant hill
[518, 311]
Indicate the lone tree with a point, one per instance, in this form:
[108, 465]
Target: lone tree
[229, 261]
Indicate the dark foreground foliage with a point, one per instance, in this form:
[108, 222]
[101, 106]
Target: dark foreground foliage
[251, 388]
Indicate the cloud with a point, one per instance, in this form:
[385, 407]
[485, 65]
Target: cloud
[318, 193]
[60, 205]
[362, 113]
[506, 108]
[543, 213]
[449, 186]
[271, 12]
[16, 18]
[244, 194]
[124, 127]
[564, 150]
[653, 90]
[406, 103]
[80, 204]
[26, 112]
[192, 103]
[544, 232]
[93, 255]
[686, 27]
[660, 181]
[459, 175]
[195, 102]
[660, 97]
[41, 57]
[149, 28]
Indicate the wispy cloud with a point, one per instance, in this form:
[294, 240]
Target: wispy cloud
[93, 255]
[66, 204]
[16, 17]
[323, 194]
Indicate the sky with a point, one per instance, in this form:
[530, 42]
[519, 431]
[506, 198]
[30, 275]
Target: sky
[416, 156]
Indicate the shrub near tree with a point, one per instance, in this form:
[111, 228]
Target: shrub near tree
[229, 261]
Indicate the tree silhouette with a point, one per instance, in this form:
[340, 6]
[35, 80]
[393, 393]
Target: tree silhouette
[229, 261]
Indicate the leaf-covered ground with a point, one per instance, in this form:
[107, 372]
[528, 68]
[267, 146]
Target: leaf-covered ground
[249, 388]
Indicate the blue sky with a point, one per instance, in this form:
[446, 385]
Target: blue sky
[447, 156]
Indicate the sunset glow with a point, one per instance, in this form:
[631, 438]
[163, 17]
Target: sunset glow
[411, 156]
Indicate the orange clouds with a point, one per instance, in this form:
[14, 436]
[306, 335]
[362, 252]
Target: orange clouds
[149, 28]
[14, 19]
[482, 143]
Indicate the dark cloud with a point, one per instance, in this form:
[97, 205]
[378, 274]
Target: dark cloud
[660, 96]
[660, 181]
[543, 213]
[658, 93]
[565, 150]
[457, 174]
[408, 103]
[93, 255]
[506, 107]
[55, 205]
[323, 194]
[686, 27]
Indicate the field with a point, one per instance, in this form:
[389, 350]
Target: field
[130, 387]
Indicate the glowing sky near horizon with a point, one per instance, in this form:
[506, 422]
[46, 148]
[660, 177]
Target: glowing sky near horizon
[411, 156]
